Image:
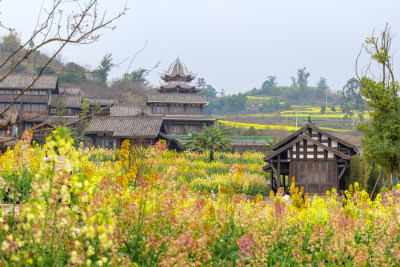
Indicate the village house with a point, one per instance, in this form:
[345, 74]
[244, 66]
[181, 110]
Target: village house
[41, 105]
[176, 104]
[317, 159]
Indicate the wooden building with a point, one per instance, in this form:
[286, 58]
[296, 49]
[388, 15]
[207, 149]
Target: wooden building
[317, 159]
[179, 101]
[143, 129]
[41, 132]
[32, 106]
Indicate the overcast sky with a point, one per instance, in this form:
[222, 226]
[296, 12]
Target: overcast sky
[233, 44]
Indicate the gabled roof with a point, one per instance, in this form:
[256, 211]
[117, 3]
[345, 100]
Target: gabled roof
[129, 110]
[74, 101]
[309, 139]
[41, 125]
[128, 127]
[177, 98]
[21, 81]
[170, 138]
[178, 69]
[312, 126]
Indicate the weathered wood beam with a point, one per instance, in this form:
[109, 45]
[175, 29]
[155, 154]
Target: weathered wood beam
[341, 173]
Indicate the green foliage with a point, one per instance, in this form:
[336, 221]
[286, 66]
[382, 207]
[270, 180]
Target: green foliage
[61, 110]
[18, 69]
[227, 104]
[104, 68]
[351, 100]
[322, 86]
[81, 126]
[302, 78]
[10, 42]
[360, 171]
[207, 89]
[48, 70]
[209, 138]
[381, 142]
[72, 73]
[136, 76]
[269, 86]
[323, 108]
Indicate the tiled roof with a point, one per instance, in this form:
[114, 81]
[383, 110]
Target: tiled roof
[101, 100]
[69, 100]
[178, 85]
[173, 98]
[188, 118]
[69, 90]
[54, 119]
[20, 81]
[178, 68]
[139, 126]
[128, 110]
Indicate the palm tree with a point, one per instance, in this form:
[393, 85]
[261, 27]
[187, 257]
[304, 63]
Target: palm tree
[209, 138]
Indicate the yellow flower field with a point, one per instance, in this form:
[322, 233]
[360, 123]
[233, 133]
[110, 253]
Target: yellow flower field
[273, 127]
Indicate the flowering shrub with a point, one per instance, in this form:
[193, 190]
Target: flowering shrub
[93, 215]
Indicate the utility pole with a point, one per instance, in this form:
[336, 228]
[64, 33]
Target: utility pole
[296, 119]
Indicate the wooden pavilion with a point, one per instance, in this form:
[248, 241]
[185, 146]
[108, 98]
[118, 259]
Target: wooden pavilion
[317, 159]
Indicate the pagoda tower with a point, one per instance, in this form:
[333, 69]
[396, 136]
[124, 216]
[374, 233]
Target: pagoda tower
[178, 79]
[178, 101]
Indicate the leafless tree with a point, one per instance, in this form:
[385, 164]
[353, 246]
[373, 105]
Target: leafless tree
[56, 28]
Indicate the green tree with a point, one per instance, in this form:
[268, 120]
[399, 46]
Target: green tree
[323, 108]
[72, 73]
[104, 68]
[201, 82]
[209, 91]
[322, 86]
[381, 142]
[61, 111]
[251, 131]
[269, 86]
[10, 42]
[302, 78]
[137, 76]
[48, 70]
[84, 121]
[350, 100]
[211, 139]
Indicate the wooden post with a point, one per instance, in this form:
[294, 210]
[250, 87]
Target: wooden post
[278, 178]
[271, 176]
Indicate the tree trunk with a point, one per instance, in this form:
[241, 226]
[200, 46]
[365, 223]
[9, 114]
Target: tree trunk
[211, 155]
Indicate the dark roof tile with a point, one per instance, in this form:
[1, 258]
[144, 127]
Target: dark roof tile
[20, 81]
[139, 126]
[172, 98]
